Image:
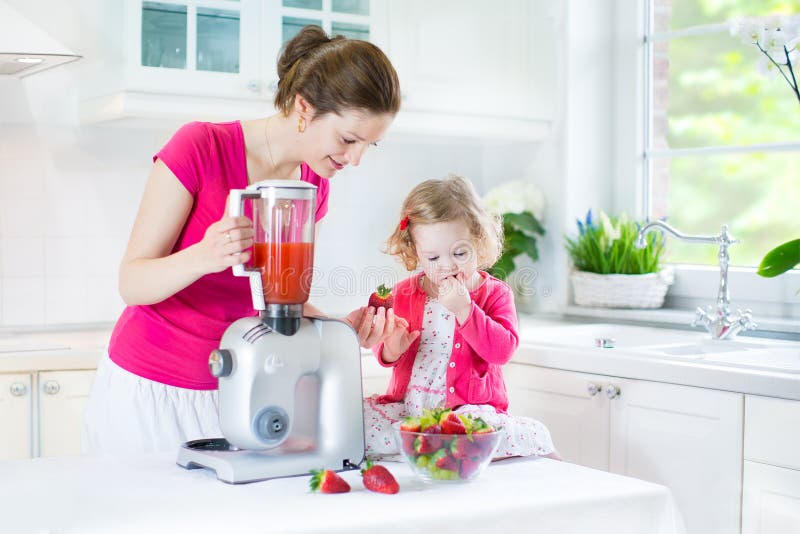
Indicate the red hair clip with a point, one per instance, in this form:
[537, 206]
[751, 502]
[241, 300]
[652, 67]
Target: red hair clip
[404, 223]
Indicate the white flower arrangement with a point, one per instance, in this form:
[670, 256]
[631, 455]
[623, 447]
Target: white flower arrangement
[521, 205]
[777, 37]
[515, 197]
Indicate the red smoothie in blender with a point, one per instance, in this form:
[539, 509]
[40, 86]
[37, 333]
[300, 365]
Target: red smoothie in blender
[286, 270]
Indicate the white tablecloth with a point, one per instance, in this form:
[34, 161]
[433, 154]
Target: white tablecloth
[153, 494]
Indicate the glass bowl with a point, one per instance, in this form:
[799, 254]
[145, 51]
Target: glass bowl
[447, 457]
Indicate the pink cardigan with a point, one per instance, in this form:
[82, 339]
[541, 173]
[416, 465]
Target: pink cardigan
[486, 341]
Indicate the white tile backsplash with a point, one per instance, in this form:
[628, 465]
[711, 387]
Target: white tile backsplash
[65, 299]
[103, 302]
[68, 197]
[23, 300]
[65, 256]
[22, 256]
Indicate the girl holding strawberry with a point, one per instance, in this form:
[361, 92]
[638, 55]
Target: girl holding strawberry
[461, 322]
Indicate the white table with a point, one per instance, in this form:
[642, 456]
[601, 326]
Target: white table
[153, 494]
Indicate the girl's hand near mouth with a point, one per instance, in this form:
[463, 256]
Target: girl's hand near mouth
[454, 295]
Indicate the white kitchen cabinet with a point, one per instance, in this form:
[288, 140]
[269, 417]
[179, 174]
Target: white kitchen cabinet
[16, 408]
[771, 493]
[201, 60]
[686, 438]
[571, 405]
[475, 67]
[62, 401]
[41, 413]
[770, 499]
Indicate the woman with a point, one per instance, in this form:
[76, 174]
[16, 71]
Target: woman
[335, 98]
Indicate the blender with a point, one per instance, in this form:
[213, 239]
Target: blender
[290, 395]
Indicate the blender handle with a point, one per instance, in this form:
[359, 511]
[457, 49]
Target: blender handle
[235, 209]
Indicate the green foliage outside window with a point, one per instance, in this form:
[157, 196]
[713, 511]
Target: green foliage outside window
[716, 96]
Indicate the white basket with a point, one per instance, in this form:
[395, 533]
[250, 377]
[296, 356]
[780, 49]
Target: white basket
[621, 290]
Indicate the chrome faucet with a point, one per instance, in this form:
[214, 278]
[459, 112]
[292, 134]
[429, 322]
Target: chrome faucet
[720, 323]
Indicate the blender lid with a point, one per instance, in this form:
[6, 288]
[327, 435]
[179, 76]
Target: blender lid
[294, 184]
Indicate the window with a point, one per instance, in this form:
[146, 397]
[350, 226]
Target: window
[724, 143]
[717, 142]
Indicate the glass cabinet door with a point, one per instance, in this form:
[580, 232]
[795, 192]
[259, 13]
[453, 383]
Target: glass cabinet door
[350, 18]
[189, 35]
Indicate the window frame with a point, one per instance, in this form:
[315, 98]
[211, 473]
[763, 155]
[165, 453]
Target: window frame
[769, 298]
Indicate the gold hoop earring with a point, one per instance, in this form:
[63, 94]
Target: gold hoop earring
[301, 125]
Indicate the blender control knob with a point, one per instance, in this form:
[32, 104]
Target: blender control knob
[220, 363]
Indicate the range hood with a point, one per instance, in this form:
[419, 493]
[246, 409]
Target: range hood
[25, 48]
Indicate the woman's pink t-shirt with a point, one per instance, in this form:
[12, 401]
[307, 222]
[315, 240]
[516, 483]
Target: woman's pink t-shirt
[169, 342]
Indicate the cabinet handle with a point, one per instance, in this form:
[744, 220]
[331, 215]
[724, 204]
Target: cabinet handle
[51, 387]
[254, 86]
[593, 389]
[18, 389]
[612, 391]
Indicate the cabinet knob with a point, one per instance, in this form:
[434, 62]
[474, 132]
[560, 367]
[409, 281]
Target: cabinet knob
[612, 391]
[51, 387]
[593, 389]
[254, 86]
[18, 389]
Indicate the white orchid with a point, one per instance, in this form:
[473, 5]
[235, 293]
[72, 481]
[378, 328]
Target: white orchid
[777, 37]
[515, 197]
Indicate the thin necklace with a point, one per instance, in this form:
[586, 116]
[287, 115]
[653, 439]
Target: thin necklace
[269, 148]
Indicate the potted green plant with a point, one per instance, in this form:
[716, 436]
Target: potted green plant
[610, 271]
[520, 204]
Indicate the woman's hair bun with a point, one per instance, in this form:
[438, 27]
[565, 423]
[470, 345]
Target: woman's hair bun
[309, 38]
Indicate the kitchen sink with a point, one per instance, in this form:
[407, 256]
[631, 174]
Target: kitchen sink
[665, 343]
[709, 346]
[786, 360]
[617, 336]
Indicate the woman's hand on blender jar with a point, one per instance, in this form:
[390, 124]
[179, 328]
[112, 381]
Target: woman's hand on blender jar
[373, 326]
[225, 243]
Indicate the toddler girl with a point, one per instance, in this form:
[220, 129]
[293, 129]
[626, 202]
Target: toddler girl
[461, 322]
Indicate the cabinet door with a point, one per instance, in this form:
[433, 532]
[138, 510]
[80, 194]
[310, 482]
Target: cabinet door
[688, 439]
[15, 417]
[770, 500]
[571, 405]
[62, 400]
[474, 57]
[190, 48]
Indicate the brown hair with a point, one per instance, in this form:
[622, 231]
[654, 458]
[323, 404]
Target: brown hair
[449, 199]
[336, 74]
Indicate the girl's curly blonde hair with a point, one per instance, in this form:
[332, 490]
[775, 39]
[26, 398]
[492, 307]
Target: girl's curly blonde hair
[444, 200]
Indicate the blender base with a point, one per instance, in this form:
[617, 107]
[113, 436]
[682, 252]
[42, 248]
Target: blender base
[241, 466]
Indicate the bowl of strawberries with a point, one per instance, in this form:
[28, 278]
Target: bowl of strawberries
[443, 446]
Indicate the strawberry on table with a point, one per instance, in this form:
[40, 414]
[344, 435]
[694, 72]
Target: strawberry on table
[378, 478]
[327, 481]
[381, 298]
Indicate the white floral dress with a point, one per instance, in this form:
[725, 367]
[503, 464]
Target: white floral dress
[427, 389]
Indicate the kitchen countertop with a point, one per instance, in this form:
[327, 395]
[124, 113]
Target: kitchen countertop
[537, 348]
[81, 348]
[53, 349]
[152, 494]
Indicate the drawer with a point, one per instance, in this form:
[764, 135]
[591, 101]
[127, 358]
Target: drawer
[772, 431]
